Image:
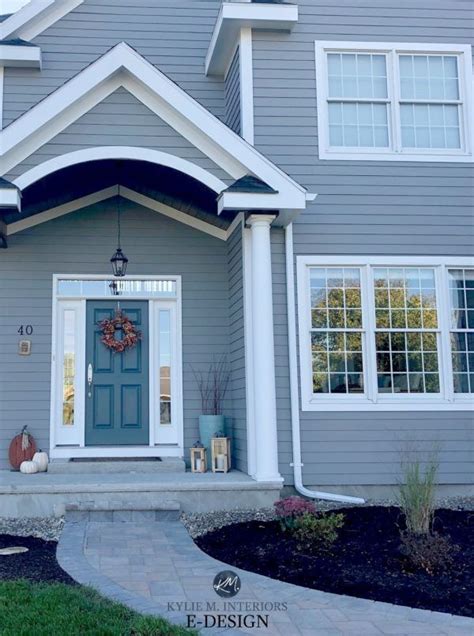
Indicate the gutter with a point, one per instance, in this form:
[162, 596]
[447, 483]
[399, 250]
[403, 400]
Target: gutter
[294, 398]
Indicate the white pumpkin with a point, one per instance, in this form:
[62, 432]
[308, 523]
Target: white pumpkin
[28, 468]
[41, 458]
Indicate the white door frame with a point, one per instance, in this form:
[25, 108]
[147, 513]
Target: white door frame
[69, 441]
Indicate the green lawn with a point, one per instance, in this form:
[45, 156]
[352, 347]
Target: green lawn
[40, 609]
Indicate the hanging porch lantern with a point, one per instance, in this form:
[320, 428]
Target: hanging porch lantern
[119, 260]
[119, 263]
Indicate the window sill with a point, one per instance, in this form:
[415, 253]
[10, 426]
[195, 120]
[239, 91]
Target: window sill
[364, 155]
[463, 404]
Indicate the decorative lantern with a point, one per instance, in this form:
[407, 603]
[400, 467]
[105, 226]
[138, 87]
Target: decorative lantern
[119, 260]
[119, 263]
[198, 458]
[220, 447]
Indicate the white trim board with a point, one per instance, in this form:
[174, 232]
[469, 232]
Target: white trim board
[395, 150]
[119, 152]
[35, 17]
[20, 56]
[69, 441]
[446, 400]
[122, 66]
[131, 195]
[236, 15]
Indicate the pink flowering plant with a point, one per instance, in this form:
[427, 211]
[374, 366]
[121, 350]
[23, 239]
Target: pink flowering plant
[289, 511]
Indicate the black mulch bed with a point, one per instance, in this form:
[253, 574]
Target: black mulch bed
[364, 562]
[38, 564]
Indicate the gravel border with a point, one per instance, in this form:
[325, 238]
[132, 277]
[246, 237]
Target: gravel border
[198, 524]
[47, 528]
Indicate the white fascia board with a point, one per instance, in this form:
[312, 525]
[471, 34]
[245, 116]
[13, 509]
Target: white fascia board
[127, 193]
[20, 56]
[233, 16]
[10, 198]
[249, 201]
[227, 149]
[35, 17]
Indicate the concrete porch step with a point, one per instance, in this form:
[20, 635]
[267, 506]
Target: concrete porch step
[118, 466]
[127, 512]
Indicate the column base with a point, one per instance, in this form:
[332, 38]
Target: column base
[275, 478]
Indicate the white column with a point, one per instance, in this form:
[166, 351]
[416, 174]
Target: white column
[264, 393]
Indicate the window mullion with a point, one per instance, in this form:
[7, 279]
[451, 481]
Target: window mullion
[444, 323]
[394, 87]
[369, 324]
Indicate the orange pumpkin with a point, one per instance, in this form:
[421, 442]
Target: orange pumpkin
[21, 449]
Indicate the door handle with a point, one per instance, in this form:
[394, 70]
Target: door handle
[90, 378]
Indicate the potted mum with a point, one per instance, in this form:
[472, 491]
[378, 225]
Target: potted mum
[213, 385]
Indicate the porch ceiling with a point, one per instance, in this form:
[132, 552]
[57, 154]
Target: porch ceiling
[161, 183]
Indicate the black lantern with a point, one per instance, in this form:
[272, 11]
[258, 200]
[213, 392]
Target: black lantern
[119, 263]
[119, 260]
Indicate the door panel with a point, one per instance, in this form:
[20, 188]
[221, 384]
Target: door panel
[117, 406]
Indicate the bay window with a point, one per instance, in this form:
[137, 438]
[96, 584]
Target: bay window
[393, 101]
[385, 333]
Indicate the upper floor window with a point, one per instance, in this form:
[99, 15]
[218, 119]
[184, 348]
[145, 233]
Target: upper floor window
[394, 101]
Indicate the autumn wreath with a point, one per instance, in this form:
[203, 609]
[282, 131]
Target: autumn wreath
[120, 322]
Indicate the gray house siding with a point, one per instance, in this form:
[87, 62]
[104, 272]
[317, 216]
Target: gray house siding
[237, 349]
[364, 208]
[119, 120]
[155, 245]
[232, 94]
[172, 34]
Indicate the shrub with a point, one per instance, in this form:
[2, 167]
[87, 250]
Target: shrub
[430, 552]
[318, 532]
[290, 509]
[416, 496]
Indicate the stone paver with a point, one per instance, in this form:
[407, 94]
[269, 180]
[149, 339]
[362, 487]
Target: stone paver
[155, 568]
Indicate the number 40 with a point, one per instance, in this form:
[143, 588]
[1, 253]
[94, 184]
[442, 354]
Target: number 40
[26, 330]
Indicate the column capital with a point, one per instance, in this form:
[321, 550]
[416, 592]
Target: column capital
[261, 219]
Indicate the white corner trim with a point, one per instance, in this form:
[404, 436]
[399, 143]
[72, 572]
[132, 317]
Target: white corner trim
[395, 151]
[114, 69]
[131, 195]
[235, 15]
[35, 17]
[246, 85]
[20, 56]
[119, 152]
[446, 400]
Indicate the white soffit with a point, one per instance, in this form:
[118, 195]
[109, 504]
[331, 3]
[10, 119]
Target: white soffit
[234, 16]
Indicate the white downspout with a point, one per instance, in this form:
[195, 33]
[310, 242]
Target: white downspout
[294, 399]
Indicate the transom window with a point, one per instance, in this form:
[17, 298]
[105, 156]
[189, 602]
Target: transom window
[379, 100]
[378, 335]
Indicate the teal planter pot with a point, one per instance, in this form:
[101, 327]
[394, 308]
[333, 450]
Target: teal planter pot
[209, 427]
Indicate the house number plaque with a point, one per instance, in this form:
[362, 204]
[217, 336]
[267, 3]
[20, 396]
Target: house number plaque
[24, 348]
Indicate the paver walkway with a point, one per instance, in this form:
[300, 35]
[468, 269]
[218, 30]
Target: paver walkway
[155, 567]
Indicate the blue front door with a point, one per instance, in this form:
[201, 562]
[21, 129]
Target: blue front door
[117, 406]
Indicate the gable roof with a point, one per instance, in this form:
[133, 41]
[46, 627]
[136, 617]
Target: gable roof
[33, 18]
[123, 66]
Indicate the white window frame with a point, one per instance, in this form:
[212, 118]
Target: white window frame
[395, 151]
[371, 400]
